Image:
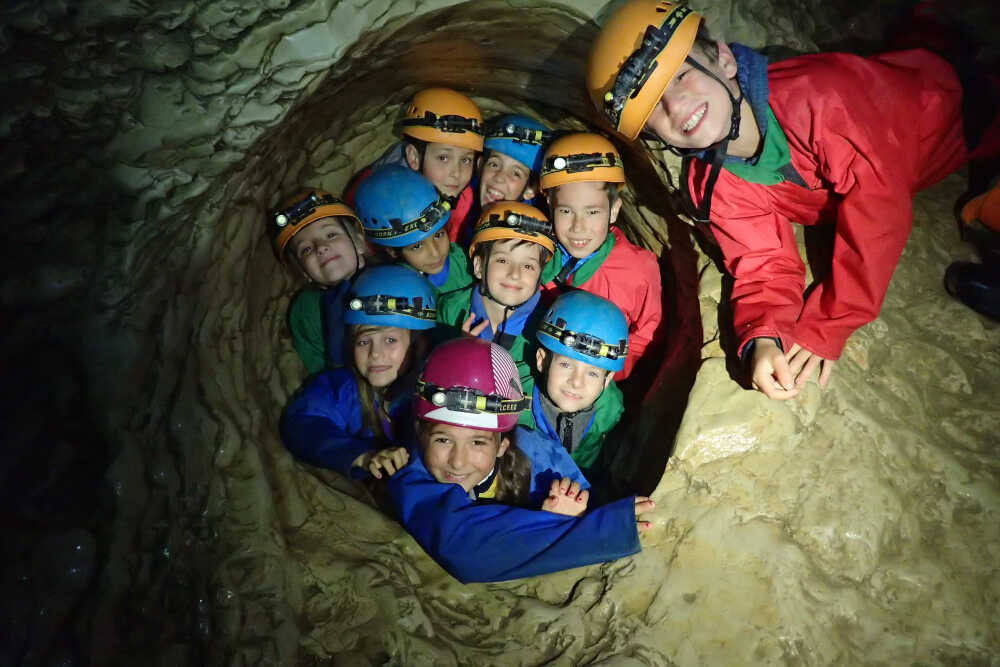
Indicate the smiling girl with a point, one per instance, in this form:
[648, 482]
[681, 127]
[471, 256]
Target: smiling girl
[321, 236]
[349, 419]
[465, 494]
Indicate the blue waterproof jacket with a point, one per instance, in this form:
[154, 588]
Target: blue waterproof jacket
[494, 542]
[324, 424]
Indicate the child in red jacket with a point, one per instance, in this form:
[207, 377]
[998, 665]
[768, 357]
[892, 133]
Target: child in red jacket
[819, 138]
[582, 175]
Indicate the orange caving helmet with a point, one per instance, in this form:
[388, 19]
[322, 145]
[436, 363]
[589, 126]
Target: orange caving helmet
[300, 211]
[444, 116]
[581, 157]
[513, 220]
[637, 53]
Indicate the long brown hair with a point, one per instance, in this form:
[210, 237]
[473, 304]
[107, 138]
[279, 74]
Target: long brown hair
[513, 475]
[375, 413]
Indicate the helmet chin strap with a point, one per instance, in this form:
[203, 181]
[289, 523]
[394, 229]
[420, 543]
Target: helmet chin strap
[719, 149]
[484, 290]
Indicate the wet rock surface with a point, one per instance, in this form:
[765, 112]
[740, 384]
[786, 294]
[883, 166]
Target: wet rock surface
[157, 519]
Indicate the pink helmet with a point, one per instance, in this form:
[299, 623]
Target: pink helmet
[471, 382]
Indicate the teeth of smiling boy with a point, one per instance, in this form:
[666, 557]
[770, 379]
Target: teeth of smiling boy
[693, 120]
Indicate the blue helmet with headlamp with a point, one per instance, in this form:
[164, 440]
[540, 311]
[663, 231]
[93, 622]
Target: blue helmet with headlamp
[399, 207]
[391, 295]
[588, 328]
[519, 137]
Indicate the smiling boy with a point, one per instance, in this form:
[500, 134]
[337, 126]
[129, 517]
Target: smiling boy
[511, 246]
[442, 137]
[823, 138]
[582, 175]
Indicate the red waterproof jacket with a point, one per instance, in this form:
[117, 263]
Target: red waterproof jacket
[630, 278]
[864, 134]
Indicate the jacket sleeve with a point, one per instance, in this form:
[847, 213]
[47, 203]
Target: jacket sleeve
[549, 462]
[493, 542]
[647, 311]
[323, 425]
[305, 322]
[760, 252]
[873, 222]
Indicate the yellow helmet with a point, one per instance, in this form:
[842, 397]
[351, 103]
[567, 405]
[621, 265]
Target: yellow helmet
[444, 116]
[581, 157]
[300, 211]
[513, 220]
[633, 59]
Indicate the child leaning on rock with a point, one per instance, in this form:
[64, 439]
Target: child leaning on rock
[321, 237]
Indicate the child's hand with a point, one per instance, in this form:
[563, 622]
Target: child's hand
[391, 459]
[565, 497]
[769, 371]
[643, 504]
[469, 330]
[802, 363]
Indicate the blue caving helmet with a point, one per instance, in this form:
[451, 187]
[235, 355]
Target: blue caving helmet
[583, 326]
[391, 295]
[399, 207]
[519, 137]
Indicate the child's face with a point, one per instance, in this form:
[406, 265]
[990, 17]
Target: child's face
[572, 385]
[582, 215]
[503, 178]
[512, 270]
[379, 353]
[430, 254]
[461, 455]
[326, 252]
[695, 110]
[448, 167]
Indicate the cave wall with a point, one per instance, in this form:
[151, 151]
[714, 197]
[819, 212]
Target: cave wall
[149, 360]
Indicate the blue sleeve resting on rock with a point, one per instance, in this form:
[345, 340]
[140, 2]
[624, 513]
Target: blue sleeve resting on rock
[493, 542]
[324, 426]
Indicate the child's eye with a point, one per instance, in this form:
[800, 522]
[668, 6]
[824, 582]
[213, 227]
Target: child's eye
[305, 250]
[594, 374]
[415, 247]
[518, 174]
[493, 164]
[443, 158]
[467, 160]
[530, 267]
[594, 211]
[439, 440]
[361, 342]
[332, 235]
[389, 340]
[438, 234]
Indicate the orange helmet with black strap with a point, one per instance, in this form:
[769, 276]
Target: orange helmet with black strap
[513, 220]
[580, 157]
[634, 58]
[303, 209]
[445, 116]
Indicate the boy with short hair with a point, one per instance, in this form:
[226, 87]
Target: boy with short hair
[819, 138]
[442, 137]
[584, 342]
[582, 176]
[509, 250]
[405, 215]
[320, 236]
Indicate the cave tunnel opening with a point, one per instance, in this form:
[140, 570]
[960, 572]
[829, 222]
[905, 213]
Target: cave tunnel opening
[148, 370]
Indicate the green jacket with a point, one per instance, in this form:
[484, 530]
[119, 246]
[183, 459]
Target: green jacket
[454, 308]
[459, 272]
[608, 410]
[305, 319]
